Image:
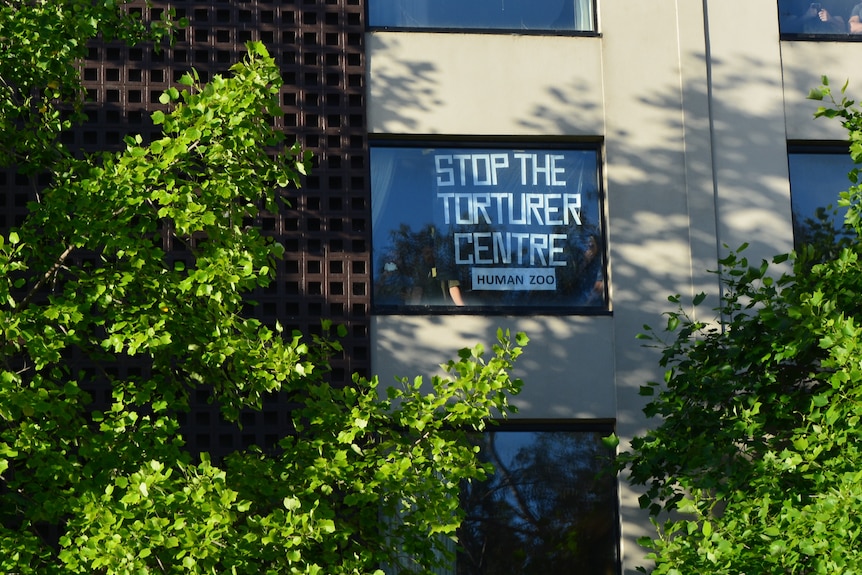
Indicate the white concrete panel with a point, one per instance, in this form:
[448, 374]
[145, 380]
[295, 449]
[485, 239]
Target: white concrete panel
[803, 65]
[660, 194]
[484, 84]
[567, 367]
[649, 173]
[748, 127]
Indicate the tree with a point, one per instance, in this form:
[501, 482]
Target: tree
[368, 478]
[40, 82]
[757, 457]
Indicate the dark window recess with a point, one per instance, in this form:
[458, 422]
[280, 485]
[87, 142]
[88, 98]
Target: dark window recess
[817, 176]
[827, 19]
[549, 507]
[478, 229]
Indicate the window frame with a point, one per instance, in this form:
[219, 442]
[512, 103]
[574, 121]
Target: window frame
[825, 148]
[603, 427]
[504, 143]
[594, 32]
[845, 36]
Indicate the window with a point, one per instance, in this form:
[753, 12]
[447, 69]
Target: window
[550, 507]
[501, 15]
[832, 19]
[483, 228]
[817, 175]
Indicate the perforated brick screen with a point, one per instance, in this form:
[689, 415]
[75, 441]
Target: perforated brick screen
[325, 274]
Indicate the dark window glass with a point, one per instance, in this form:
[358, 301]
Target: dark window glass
[484, 228]
[550, 507]
[537, 15]
[829, 18]
[816, 179]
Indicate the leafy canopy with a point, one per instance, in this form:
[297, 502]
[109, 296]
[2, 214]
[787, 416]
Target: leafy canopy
[42, 43]
[759, 450]
[368, 478]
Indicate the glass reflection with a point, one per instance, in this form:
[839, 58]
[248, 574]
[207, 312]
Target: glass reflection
[487, 227]
[548, 509]
[824, 18]
[547, 15]
[816, 179]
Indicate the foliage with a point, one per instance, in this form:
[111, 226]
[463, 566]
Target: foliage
[87, 287]
[757, 455]
[41, 43]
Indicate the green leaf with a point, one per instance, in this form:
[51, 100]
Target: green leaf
[611, 441]
[160, 332]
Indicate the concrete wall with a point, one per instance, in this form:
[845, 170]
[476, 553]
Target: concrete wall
[654, 78]
[694, 123]
[803, 65]
[484, 84]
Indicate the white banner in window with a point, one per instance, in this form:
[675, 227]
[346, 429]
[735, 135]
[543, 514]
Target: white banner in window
[506, 279]
[487, 227]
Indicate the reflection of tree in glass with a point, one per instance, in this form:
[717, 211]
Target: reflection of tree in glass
[395, 272]
[580, 281]
[546, 510]
[824, 232]
[404, 273]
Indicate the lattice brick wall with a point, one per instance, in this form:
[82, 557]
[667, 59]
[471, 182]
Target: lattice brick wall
[319, 45]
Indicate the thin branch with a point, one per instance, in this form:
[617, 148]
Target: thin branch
[46, 277]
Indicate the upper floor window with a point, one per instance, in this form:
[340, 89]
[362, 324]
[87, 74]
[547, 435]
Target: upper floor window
[817, 176]
[831, 19]
[499, 15]
[477, 229]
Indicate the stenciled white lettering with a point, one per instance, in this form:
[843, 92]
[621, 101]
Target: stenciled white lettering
[478, 169]
[534, 203]
[508, 208]
[531, 166]
[485, 248]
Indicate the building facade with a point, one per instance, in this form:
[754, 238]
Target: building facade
[645, 137]
[696, 108]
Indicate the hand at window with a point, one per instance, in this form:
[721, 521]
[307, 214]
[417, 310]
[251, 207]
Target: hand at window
[455, 293]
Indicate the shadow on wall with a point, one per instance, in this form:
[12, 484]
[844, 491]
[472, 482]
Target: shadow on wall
[455, 84]
[565, 364]
[407, 89]
[691, 168]
[698, 160]
[666, 182]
